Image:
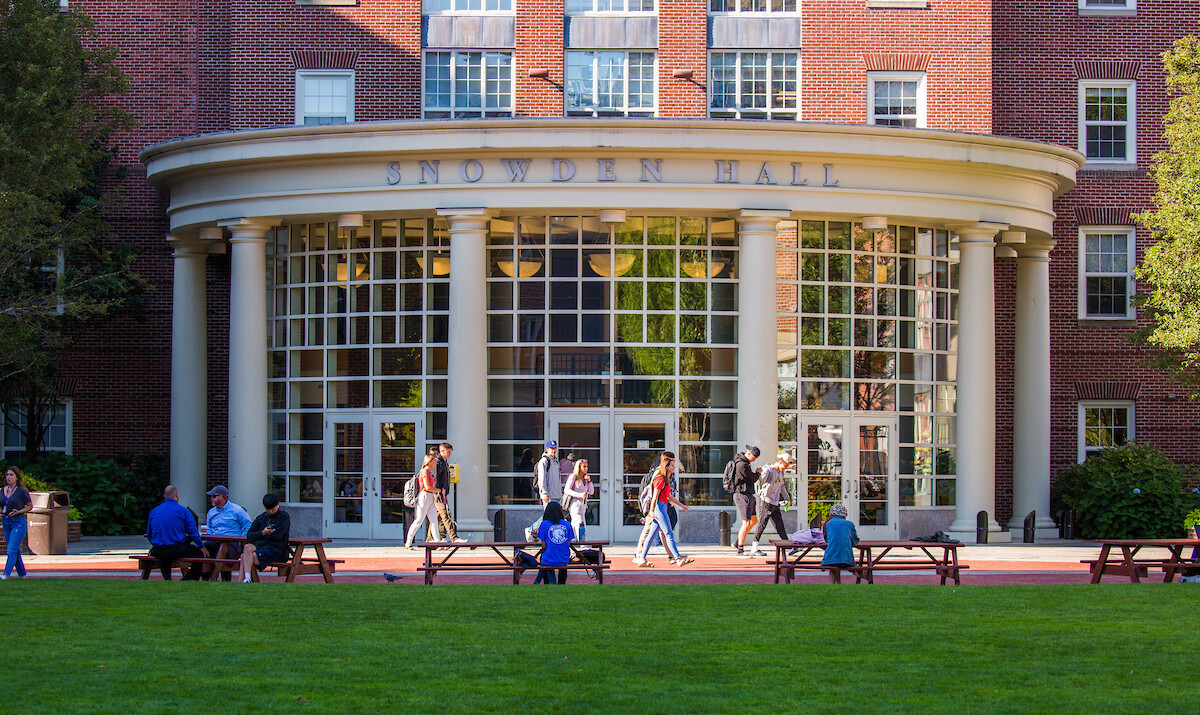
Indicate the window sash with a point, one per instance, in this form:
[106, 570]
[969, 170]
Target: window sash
[1104, 425]
[1106, 272]
[1107, 115]
[611, 83]
[460, 84]
[324, 97]
[716, 7]
[578, 7]
[754, 85]
[438, 7]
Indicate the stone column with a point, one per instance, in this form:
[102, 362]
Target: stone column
[1031, 393]
[758, 383]
[467, 368]
[248, 360]
[189, 372]
[976, 488]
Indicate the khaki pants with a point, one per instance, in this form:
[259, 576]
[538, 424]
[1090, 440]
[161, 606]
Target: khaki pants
[444, 519]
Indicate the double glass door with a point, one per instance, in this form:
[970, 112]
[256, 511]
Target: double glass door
[368, 458]
[853, 462]
[620, 449]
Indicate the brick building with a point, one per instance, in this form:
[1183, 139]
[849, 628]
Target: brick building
[892, 237]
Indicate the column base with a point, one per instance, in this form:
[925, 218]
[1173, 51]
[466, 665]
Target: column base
[475, 529]
[996, 535]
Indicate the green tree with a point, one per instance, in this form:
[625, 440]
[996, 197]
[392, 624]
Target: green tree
[60, 262]
[1171, 265]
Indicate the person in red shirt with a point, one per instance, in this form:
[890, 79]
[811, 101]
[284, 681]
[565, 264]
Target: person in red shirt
[660, 497]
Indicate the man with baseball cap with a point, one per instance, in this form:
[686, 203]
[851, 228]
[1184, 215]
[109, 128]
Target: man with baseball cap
[224, 519]
[549, 483]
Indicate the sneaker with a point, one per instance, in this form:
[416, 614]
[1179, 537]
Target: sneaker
[459, 540]
[757, 553]
[528, 534]
[3, 577]
[745, 554]
[247, 579]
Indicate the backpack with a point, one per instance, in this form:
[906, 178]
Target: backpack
[412, 491]
[644, 498]
[727, 481]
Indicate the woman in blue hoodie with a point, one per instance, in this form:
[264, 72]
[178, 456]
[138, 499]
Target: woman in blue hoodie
[840, 540]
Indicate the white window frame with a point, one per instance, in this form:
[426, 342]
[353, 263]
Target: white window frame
[1130, 160]
[462, 7]
[453, 109]
[1127, 8]
[646, 7]
[876, 77]
[303, 76]
[65, 408]
[767, 8]
[741, 112]
[624, 110]
[1130, 287]
[1131, 422]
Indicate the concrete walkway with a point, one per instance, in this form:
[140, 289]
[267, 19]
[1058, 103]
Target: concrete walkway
[1053, 562]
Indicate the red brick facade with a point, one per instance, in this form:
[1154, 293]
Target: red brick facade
[1004, 66]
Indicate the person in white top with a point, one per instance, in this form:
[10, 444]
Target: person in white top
[576, 491]
[772, 491]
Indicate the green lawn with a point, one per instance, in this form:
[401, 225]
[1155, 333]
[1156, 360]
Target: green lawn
[122, 646]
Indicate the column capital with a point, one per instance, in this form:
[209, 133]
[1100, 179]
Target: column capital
[978, 232]
[185, 246]
[1036, 249]
[248, 229]
[747, 218]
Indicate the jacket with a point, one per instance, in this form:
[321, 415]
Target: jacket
[549, 482]
[772, 486]
[840, 539]
[744, 476]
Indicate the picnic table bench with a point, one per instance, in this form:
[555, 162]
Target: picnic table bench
[506, 551]
[298, 565]
[873, 556]
[1127, 563]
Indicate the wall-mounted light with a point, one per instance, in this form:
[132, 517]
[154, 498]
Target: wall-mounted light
[539, 73]
[350, 221]
[683, 74]
[612, 216]
[874, 223]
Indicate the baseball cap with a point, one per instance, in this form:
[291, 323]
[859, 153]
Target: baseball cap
[218, 490]
[551, 444]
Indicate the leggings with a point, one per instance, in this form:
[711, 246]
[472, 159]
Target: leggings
[775, 515]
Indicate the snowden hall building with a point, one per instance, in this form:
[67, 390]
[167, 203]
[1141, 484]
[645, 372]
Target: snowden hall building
[891, 237]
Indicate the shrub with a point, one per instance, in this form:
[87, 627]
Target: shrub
[1129, 492]
[110, 496]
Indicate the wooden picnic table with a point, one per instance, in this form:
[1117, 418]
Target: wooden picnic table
[872, 556]
[1128, 563]
[298, 565]
[506, 551]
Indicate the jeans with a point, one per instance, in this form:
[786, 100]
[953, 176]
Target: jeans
[654, 537]
[14, 535]
[548, 576]
[170, 552]
[659, 515]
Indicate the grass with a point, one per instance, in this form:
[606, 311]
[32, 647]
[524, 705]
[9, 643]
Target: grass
[128, 646]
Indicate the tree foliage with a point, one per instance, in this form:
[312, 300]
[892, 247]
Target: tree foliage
[1171, 265]
[60, 262]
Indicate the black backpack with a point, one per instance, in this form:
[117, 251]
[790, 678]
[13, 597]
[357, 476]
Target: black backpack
[728, 482]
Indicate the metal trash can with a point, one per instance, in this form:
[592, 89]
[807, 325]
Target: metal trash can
[48, 522]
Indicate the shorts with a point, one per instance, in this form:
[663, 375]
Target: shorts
[745, 504]
[266, 556]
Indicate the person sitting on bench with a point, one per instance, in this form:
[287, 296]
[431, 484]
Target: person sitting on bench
[173, 535]
[267, 539]
[840, 539]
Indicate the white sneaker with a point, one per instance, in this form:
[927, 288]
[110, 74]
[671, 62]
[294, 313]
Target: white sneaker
[528, 534]
[247, 579]
[2, 577]
[638, 562]
[460, 540]
[756, 553]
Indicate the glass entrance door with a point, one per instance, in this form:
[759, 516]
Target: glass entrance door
[642, 439]
[368, 460]
[852, 462]
[586, 437]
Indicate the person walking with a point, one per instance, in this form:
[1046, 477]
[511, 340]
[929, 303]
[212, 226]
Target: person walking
[744, 478]
[654, 535]
[17, 503]
[426, 511]
[555, 533]
[267, 539]
[576, 491]
[772, 491]
[656, 516]
[840, 539]
[549, 483]
[442, 471]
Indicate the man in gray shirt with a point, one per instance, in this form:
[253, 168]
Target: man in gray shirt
[549, 483]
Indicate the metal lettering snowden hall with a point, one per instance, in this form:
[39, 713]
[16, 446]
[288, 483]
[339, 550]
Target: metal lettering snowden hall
[727, 171]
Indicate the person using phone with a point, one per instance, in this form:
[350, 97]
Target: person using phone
[17, 504]
[267, 539]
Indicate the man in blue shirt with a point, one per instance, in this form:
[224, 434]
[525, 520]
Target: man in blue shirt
[225, 519]
[172, 532]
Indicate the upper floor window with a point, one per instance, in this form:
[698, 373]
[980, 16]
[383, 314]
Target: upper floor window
[56, 438]
[1106, 259]
[1107, 7]
[752, 6]
[434, 7]
[610, 84]
[1103, 425]
[896, 99]
[580, 6]
[324, 97]
[753, 85]
[465, 85]
[1107, 112]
